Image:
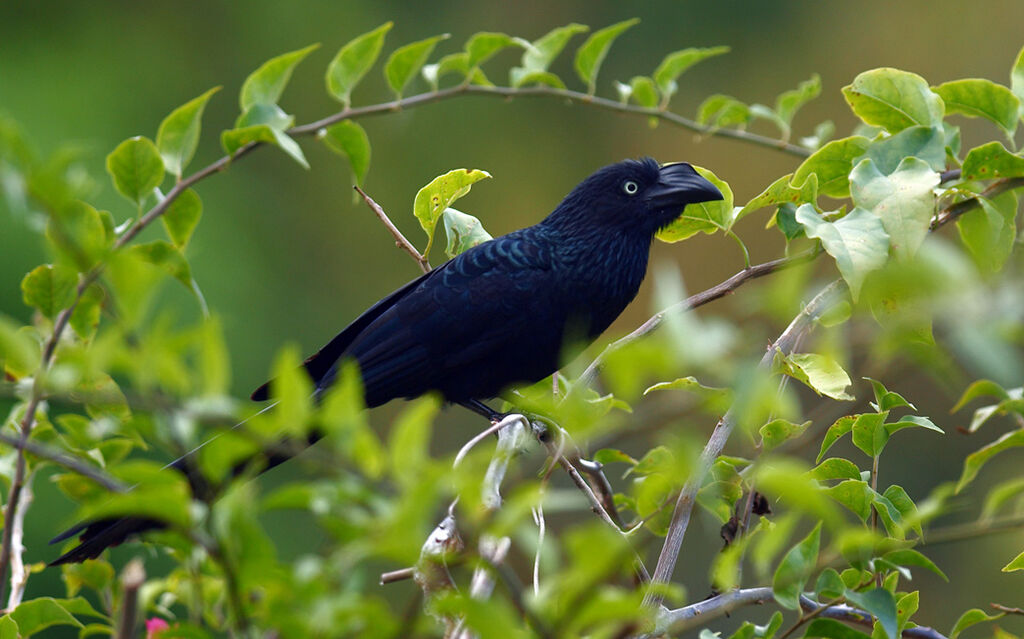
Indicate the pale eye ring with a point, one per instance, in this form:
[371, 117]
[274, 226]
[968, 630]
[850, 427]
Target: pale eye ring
[630, 187]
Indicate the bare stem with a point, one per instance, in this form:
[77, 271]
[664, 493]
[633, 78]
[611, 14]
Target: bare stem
[400, 240]
[19, 576]
[69, 462]
[132, 579]
[684, 504]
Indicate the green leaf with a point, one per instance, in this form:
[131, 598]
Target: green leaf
[778, 431]
[178, 135]
[899, 498]
[998, 497]
[855, 494]
[19, 353]
[49, 288]
[835, 468]
[893, 99]
[541, 53]
[720, 110]
[592, 52]
[136, 168]
[794, 570]
[885, 399]
[263, 123]
[350, 139]
[78, 232]
[970, 618]
[881, 604]
[164, 255]
[410, 440]
[690, 383]
[782, 191]
[607, 456]
[182, 216]
[676, 63]
[789, 102]
[643, 91]
[989, 231]
[835, 432]
[832, 164]
[519, 78]
[832, 629]
[991, 161]
[927, 143]
[482, 46]
[1017, 76]
[904, 201]
[977, 459]
[353, 61]
[36, 615]
[913, 421]
[822, 373]
[911, 557]
[858, 242]
[980, 388]
[870, 434]
[266, 84]
[1017, 563]
[464, 232]
[9, 628]
[405, 62]
[975, 97]
[454, 63]
[702, 217]
[438, 195]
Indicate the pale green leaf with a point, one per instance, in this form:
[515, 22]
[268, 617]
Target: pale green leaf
[904, 201]
[50, 288]
[643, 91]
[980, 388]
[822, 373]
[136, 168]
[911, 557]
[789, 102]
[778, 431]
[975, 97]
[702, 217]
[971, 617]
[438, 195]
[463, 231]
[481, 47]
[353, 61]
[592, 53]
[182, 216]
[178, 135]
[405, 62]
[35, 615]
[721, 110]
[266, 84]
[350, 139]
[927, 143]
[19, 352]
[832, 164]
[893, 99]
[1017, 76]
[676, 63]
[858, 242]
[783, 191]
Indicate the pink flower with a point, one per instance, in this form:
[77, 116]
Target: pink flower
[154, 626]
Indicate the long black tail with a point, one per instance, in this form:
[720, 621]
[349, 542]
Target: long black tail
[96, 536]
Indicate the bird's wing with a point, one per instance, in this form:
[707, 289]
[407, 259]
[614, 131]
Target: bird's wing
[319, 363]
[487, 305]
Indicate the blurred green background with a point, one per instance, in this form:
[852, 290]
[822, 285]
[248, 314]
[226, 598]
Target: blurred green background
[284, 255]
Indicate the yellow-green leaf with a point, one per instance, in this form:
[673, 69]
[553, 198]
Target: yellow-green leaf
[702, 217]
[893, 99]
[178, 135]
[977, 459]
[182, 216]
[990, 161]
[136, 168]
[350, 139]
[50, 288]
[975, 97]
[266, 84]
[405, 62]
[832, 164]
[438, 195]
[676, 63]
[592, 52]
[353, 61]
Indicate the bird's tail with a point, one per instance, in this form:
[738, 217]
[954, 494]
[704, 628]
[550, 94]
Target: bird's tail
[97, 535]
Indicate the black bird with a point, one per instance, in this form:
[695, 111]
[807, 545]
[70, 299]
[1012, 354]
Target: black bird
[501, 313]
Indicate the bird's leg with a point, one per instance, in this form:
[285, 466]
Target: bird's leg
[482, 409]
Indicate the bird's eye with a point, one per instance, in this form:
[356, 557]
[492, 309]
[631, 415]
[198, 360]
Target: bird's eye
[630, 187]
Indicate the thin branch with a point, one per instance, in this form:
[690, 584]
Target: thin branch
[595, 471]
[674, 621]
[699, 299]
[19, 576]
[132, 579]
[69, 462]
[397, 575]
[684, 504]
[843, 612]
[400, 240]
[575, 97]
[954, 211]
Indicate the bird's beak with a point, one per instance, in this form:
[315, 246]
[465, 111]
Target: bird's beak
[678, 185]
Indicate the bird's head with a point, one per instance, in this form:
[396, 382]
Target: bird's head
[636, 195]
